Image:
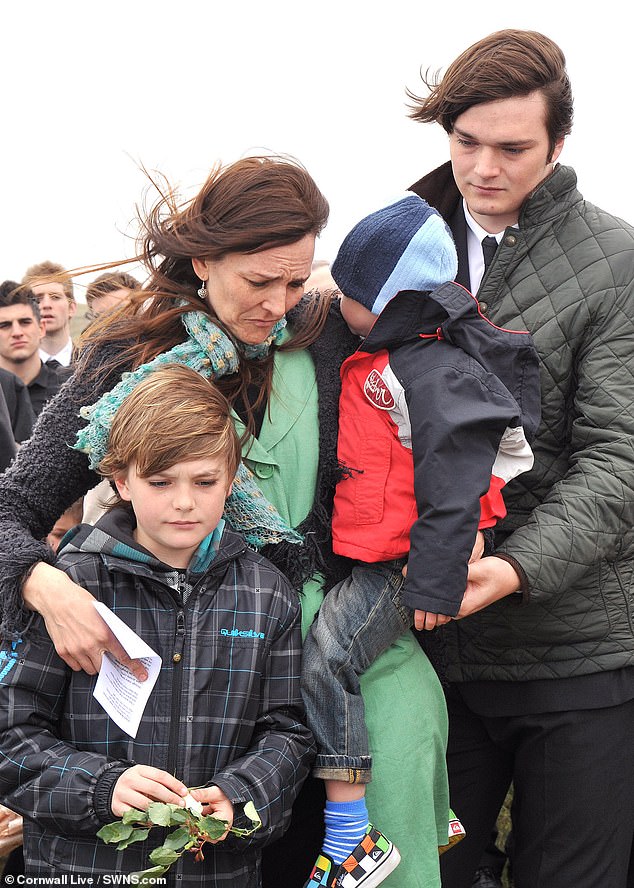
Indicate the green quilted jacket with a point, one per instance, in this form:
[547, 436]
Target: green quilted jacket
[567, 276]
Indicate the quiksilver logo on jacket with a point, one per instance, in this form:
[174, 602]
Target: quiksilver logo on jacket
[241, 633]
[8, 659]
[376, 391]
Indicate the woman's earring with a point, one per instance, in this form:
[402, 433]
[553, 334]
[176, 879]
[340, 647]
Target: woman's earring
[202, 292]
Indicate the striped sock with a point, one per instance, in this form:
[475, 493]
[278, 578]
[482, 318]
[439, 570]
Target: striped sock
[346, 824]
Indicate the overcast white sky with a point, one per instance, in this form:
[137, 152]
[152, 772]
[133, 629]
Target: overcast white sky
[90, 91]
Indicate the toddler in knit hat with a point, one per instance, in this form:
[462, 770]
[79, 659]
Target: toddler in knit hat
[430, 430]
[404, 246]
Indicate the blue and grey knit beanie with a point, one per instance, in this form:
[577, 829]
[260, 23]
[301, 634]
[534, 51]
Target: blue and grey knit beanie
[404, 246]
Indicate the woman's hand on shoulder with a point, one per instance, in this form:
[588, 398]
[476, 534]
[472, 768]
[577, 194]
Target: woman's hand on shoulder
[79, 634]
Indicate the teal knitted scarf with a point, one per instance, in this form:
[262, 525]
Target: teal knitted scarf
[210, 352]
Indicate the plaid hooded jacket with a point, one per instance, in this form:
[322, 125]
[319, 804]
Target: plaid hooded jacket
[226, 708]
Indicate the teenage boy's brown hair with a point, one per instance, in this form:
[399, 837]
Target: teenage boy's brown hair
[500, 66]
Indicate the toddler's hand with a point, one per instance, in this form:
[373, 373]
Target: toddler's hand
[425, 620]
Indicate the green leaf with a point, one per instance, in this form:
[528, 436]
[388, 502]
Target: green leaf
[193, 831]
[160, 814]
[212, 826]
[178, 839]
[243, 832]
[180, 815]
[114, 832]
[137, 835]
[252, 814]
[164, 856]
[132, 815]
[147, 876]
[249, 810]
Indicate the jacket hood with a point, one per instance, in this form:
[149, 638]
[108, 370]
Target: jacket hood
[544, 203]
[451, 313]
[112, 537]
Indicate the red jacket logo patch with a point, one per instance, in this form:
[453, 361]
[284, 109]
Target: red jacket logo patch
[377, 392]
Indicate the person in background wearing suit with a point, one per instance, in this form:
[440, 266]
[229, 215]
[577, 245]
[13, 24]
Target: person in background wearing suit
[21, 332]
[52, 288]
[18, 404]
[7, 441]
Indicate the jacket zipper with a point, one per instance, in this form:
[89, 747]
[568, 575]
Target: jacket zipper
[177, 686]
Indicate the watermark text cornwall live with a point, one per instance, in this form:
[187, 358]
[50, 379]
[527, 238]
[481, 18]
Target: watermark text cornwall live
[75, 880]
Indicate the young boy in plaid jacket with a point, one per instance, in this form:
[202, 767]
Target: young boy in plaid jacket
[226, 712]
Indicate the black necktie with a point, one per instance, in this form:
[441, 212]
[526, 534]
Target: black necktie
[53, 364]
[489, 246]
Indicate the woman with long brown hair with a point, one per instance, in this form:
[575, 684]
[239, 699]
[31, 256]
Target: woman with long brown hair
[226, 276]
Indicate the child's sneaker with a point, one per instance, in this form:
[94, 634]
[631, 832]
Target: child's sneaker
[374, 858]
[456, 832]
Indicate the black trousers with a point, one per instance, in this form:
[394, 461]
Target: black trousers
[573, 802]
[493, 857]
[288, 862]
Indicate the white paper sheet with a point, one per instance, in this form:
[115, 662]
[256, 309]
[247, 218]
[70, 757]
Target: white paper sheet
[122, 695]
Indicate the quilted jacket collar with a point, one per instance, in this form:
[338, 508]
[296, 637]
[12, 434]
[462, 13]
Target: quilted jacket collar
[558, 191]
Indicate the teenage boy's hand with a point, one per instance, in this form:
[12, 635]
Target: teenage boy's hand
[488, 580]
[79, 634]
[478, 548]
[215, 802]
[142, 784]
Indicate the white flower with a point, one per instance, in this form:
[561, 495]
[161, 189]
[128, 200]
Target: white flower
[193, 804]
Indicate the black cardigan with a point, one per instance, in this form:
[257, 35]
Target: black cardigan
[47, 476]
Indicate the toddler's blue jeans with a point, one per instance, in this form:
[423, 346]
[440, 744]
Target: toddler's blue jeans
[358, 620]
